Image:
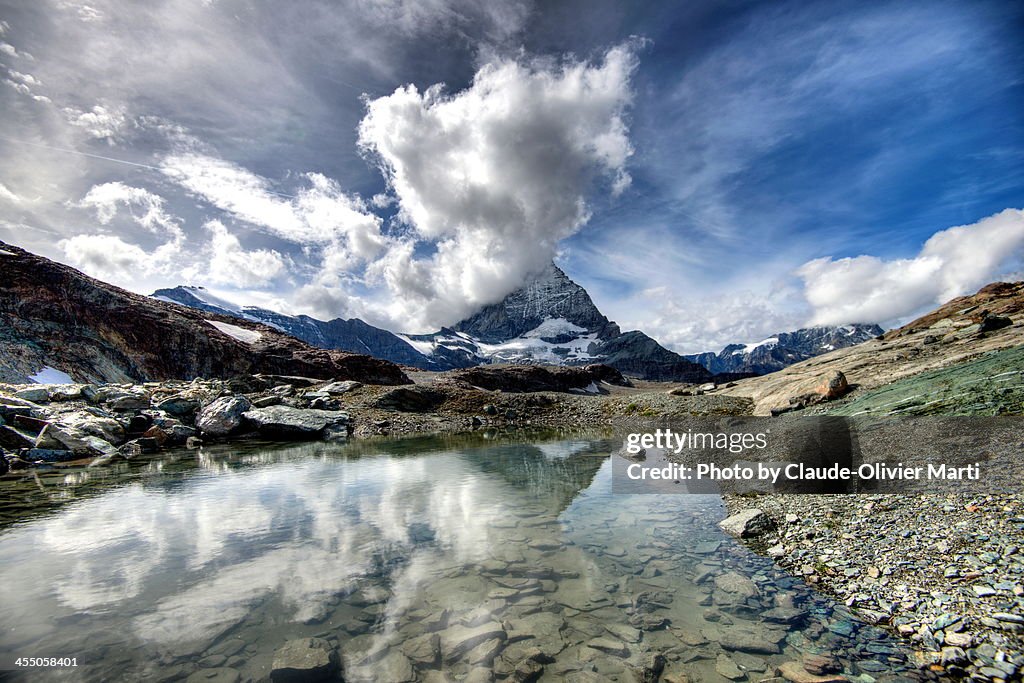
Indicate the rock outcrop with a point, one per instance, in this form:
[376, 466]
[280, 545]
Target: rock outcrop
[54, 318]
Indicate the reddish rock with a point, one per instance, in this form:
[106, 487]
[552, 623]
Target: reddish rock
[55, 315]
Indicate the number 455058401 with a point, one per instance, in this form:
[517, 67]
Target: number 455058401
[46, 661]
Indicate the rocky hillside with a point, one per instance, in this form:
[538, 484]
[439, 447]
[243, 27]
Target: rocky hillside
[784, 349]
[58, 324]
[549, 321]
[955, 333]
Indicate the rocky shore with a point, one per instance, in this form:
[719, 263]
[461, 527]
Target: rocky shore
[945, 572]
[87, 424]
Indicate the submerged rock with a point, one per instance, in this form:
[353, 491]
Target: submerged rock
[304, 660]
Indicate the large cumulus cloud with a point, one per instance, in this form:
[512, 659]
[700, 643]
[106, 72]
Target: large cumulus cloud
[951, 263]
[492, 178]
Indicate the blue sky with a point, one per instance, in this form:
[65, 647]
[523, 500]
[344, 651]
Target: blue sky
[712, 173]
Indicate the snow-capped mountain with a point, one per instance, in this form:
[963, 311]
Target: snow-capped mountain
[550, 321]
[784, 349]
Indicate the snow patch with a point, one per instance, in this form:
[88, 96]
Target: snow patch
[50, 375]
[554, 327]
[239, 333]
[422, 346]
[750, 348]
[4, 252]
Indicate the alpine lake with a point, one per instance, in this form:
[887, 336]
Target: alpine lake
[498, 556]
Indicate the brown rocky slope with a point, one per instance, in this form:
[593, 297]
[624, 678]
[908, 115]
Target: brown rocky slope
[958, 331]
[53, 316]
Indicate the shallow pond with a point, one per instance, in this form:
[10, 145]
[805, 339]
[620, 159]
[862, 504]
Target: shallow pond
[442, 558]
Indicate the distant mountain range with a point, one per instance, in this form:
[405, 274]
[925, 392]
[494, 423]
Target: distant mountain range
[551, 321]
[784, 349]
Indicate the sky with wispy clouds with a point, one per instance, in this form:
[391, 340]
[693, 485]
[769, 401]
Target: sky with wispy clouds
[711, 172]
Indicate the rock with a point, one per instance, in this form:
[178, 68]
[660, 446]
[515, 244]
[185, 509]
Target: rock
[287, 422]
[125, 401]
[4, 466]
[459, 640]
[989, 323]
[609, 646]
[267, 401]
[95, 422]
[832, 387]
[820, 665]
[12, 439]
[394, 667]
[178, 405]
[414, 399]
[727, 668]
[56, 438]
[304, 659]
[223, 416]
[33, 394]
[963, 640]
[744, 640]
[216, 675]
[737, 585]
[336, 388]
[953, 656]
[795, 672]
[747, 523]
[49, 455]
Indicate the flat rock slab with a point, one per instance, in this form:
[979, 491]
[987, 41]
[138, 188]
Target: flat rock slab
[459, 640]
[217, 675]
[285, 421]
[304, 659]
[795, 672]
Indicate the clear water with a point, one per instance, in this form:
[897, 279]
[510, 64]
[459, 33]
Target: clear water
[202, 564]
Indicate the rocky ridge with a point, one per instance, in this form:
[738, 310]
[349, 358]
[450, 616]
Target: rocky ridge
[784, 349]
[55, 320]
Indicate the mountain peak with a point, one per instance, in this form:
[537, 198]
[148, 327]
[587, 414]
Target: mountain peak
[550, 295]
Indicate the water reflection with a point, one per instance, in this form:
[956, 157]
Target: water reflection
[411, 557]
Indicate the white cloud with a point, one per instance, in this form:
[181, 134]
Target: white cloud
[318, 214]
[103, 123]
[495, 176]
[694, 324]
[951, 263]
[11, 51]
[232, 265]
[106, 198]
[85, 12]
[8, 196]
[107, 257]
[110, 257]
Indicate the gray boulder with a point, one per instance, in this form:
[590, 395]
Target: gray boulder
[335, 388]
[33, 394]
[95, 422]
[58, 438]
[284, 421]
[306, 660]
[747, 523]
[222, 416]
[178, 405]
